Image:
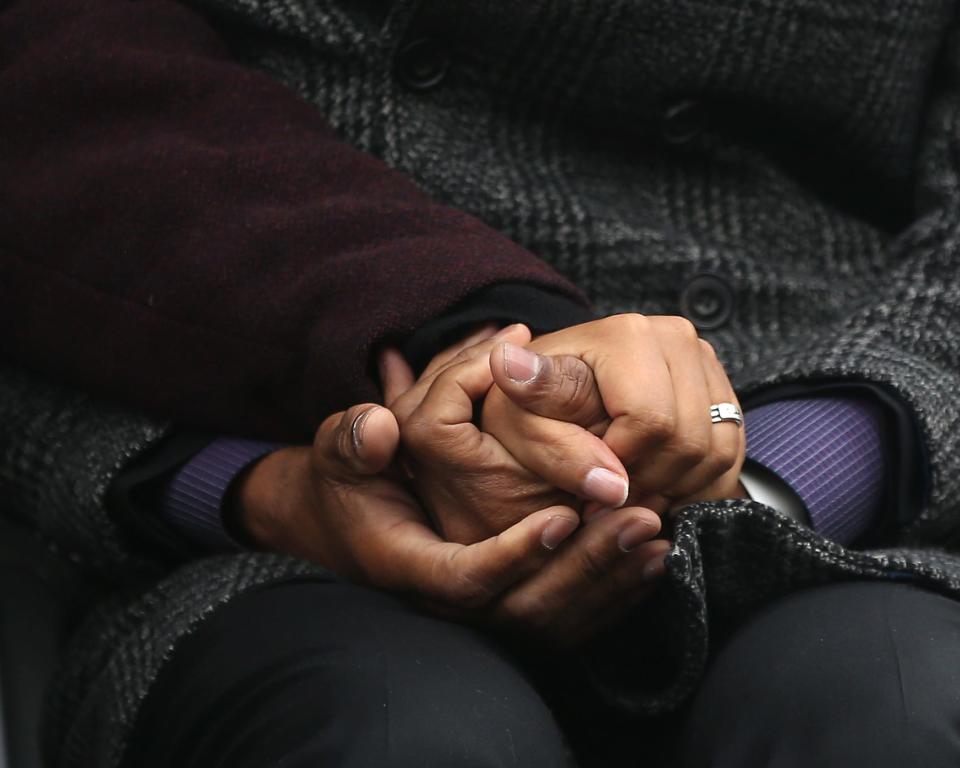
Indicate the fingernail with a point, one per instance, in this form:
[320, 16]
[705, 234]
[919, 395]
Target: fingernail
[655, 569]
[557, 530]
[521, 365]
[634, 534]
[605, 486]
[356, 429]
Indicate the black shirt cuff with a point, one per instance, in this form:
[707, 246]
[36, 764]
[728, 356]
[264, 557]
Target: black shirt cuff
[135, 497]
[542, 310]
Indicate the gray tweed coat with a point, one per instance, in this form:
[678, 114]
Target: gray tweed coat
[726, 160]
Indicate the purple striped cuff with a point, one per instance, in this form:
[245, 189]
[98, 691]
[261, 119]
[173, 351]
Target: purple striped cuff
[193, 499]
[830, 452]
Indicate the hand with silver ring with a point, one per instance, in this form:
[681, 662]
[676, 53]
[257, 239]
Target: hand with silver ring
[720, 412]
[648, 386]
[470, 484]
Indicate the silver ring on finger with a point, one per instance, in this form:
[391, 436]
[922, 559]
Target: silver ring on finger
[721, 412]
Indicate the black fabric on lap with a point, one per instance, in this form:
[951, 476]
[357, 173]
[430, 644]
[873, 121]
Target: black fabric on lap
[857, 674]
[325, 674]
[305, 674]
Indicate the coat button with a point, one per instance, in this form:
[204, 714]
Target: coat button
[678, 563]
[682, 122]
[707, 302]
[422, 65]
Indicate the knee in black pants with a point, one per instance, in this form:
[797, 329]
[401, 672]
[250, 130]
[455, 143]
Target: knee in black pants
[326, 674]
[852, 674]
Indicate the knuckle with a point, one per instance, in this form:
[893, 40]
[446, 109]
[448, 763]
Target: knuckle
[464, 356]
[623, 581]
[656, 426]
[727, 454]
[463, 587]
[572, 381]
[683, 327]
[416, 432]
[593, 565]
[632, 323]
[692, 451]
[708, 350]
[636, 324]
[470, 593]
[661, 424]
[528, 610]
[499, 416]
[720, 461]
[442, 364]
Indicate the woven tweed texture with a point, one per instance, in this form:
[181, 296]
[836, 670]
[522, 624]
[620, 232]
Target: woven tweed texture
[823, 187]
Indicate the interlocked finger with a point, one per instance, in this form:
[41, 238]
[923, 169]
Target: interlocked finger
[414, 559]
[444, 358]
[633, 580]
[406, 403]
[729, 441]
[674, 466]
[729, 438]
[586, 577]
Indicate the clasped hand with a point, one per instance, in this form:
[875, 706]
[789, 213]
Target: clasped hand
[542, 515]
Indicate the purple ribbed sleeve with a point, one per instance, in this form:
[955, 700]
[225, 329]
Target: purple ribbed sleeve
[830, 452]
[193, 498]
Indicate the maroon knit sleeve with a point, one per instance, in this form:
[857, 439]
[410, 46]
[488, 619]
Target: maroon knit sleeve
[183, 234]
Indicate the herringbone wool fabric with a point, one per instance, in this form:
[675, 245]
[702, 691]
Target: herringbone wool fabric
[818, 187]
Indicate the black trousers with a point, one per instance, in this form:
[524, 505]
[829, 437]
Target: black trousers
[309, 674]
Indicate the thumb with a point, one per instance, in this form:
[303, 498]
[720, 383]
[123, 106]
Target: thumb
[356, 443]
[560, 387]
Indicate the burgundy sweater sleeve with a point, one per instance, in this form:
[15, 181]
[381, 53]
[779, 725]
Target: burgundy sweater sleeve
[183, 234]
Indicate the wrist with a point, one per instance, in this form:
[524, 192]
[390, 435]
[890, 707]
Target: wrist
[266, 496]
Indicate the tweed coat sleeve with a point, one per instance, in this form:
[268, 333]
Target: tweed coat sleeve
[901, 334]
[904, 333]
[59, 452]
[184, 234]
